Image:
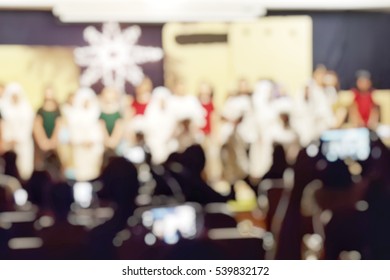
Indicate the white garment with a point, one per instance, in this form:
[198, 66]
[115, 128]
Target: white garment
[237, 107]
[271, 130]
[159, 121]
[245, 135]
[86, 135]
[188, 107]
[312, 115]
[17, 127]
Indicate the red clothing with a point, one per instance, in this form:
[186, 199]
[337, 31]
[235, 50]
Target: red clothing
[364, 103]
[209, 108]
[139, 108]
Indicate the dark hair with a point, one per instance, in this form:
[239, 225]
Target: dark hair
[38, 187]
[279, 163]
[194, 158]
[61, 199]
[363, 74]
[10, 167]
[120, 181]
[336, 175]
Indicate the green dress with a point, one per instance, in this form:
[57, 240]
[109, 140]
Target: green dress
[49, 120]
[43, 159]
[110, 120]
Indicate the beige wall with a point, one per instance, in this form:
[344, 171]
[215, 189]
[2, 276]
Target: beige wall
[195, 63]
[36, 67]
[274, 47]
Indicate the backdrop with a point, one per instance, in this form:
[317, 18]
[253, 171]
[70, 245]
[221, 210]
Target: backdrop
[39, 28]
[344, 41]
[350, 41]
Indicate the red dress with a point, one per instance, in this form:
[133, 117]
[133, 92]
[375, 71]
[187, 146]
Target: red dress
[139, 108]
[209, 108]
[364, 103]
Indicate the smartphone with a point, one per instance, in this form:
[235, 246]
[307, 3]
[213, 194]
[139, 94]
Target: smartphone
[135, 154]
[83, 194]
[340, 144]
[172, 223]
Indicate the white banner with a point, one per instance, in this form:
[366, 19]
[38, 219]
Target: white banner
[208, 270]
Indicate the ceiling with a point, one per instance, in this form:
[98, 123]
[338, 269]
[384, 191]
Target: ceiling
[160, 11]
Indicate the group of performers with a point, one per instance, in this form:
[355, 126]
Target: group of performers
[238, 138]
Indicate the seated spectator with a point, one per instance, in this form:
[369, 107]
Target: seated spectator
[187, 169]
[279, 164]
[120, 185]
[62, 240]
[4, 232]
[10, 167]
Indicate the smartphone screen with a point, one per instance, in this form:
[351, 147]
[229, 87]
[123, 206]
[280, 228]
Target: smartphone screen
[135, 155]
[172, 223]
[83, 194]
[341, 144]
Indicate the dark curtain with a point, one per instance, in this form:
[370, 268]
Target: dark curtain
[350, 41]
[347, 42]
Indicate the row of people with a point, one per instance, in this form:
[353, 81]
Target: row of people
[87, 125]
[250, 122]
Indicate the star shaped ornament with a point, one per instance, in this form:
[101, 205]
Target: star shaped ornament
[113, 56]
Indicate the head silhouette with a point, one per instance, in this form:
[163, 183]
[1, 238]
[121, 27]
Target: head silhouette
[194, 159]
[61, 199]
[120, 182]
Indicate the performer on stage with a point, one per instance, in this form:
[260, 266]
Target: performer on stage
[313, 113]
[17, 128]
[142, 97]
[1, 93]
[111, 118]
[236, 135]
[159, 123]
[189, 117]
[86, 135]
[46, 126]
[206, 95]
[243, 87]
[210, 131]
[1, 101]
[331, 88]
[364, 111]
[65, 148]
[234, 155]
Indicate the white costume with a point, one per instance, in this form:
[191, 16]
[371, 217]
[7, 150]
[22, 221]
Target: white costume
[187, 108]
[18, 120]
[237, 135]
[262, 98]
[159, 124]
[86, 135]
[268, 110]
[312, 114]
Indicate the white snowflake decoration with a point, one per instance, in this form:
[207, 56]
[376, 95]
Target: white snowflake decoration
[113, 56]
